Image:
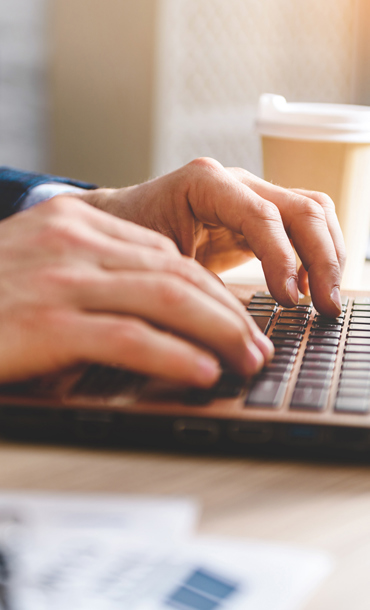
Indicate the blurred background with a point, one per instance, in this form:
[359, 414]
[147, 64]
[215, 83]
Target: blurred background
[117, 91]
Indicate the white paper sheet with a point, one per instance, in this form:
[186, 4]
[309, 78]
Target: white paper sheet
[148, 516]
[138, 553]
[60, 570]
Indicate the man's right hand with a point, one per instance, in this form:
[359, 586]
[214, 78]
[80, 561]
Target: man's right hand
[79, 285]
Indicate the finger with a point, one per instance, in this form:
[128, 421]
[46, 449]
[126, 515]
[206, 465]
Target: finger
[133, 344]
[303, 281]
[264, 344]
[279, 194]
[226, 201]
[312, 224]
[332, 221]
[121, 256]
[178, 307]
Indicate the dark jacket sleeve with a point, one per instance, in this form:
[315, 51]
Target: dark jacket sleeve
[15, 184]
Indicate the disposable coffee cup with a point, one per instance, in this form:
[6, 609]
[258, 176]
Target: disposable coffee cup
[323, 147]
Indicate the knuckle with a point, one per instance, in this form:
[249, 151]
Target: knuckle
[171, 292]
[59, 280]
[325, 201]
[59, 234]
[310, 208]
[205, 164]
[266, 210]
[58, 206]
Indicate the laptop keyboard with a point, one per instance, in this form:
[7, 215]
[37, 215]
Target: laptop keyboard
[323, 340]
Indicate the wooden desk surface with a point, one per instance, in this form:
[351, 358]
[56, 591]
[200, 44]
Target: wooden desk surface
[325, 506]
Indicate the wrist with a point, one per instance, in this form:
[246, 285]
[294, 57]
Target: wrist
[98, 198]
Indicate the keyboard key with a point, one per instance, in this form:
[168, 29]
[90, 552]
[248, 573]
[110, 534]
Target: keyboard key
[324, 322]
[320, 318]
[359, 320]
[267, 393]
[282, 342]
[320, 332]
[321, 349]
[356, 357]
[288, 335]
[348, 404]
[273, 375]
[359, 333]
[312, 374]
[309, 398]
[317, 382]
[263, 294]
[313, 340]
[263, 322]
[277, 366]
[358, 341]
[281, 351]
[356, 349]
[283, 359]
[265, 307]
[292, 321]
[294, 314]
[286, 327]
[263, 301]
[356, 326]
[319, 357]
[350, 364]
[317, 365]
[357, 392]
[331, 327]
[229, 385]
[344, 300]
[362, 301]
[355, 375]
[361, 308]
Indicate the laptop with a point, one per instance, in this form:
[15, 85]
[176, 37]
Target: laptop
[314, 393]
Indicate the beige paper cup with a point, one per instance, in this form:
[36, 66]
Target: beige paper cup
[323, 147]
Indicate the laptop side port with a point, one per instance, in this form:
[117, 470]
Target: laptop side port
[196, 431]
[250, 432]
[303, 434]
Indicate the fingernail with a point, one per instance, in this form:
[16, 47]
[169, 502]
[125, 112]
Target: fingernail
[292, 290]
[335, 297]
[208, 369]
[254, 359]
[265, 345]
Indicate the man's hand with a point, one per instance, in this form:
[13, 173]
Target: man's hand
[223, 217]
[79, 285]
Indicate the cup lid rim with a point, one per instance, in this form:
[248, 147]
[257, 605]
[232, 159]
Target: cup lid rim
[274, 108]
[277, 117]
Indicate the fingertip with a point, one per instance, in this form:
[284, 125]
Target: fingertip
[303, 284]
[292, 290]
[254, 360]
[336, 299]
[327, 303]
[207, 372]
[265, 346]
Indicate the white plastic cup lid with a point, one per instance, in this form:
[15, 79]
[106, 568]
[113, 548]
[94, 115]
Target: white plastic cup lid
[305, 121]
